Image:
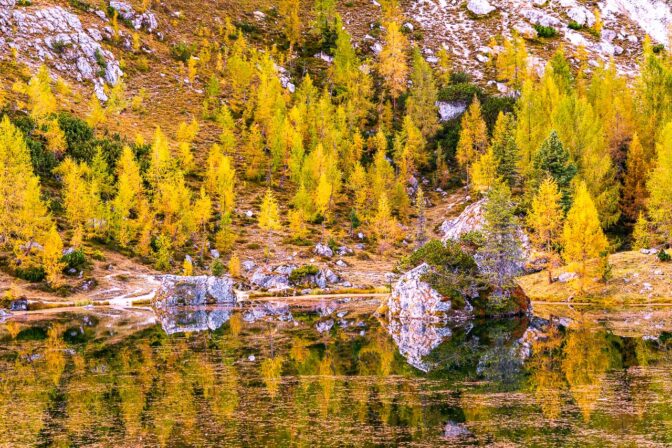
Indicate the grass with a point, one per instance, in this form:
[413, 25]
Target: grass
[630, 272]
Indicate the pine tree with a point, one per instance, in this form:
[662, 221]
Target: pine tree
[504, 148]
[423, 94]
[634, 188]
[583, 238]
[660, 187]
[51, 258]
[393, 66]
[502, 254]
[545, 220]
[554, 160]
[473, 137]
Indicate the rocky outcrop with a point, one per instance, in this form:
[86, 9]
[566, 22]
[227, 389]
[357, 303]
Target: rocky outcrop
[450, 110]
[470, 220]
[19, 305]
[187, 320]
[54, 36]
[413, 298]
[323, 250]
[280, 278]
[480, 7]
[178, 290]
[278, 311]
[145, 20]
[267, 278]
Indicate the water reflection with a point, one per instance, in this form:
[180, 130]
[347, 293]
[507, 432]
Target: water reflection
[211, 377]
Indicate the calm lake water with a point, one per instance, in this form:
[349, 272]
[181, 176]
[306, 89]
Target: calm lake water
[331, 375]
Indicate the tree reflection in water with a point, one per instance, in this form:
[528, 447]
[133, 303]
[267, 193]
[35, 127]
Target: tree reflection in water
[212, 379]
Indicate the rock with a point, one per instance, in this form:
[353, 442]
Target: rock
[454, 430]
[323, 250]
[249, 213]
[525, 30]
[341, 264]
[608, 35]
[214, 253]
[324, 326]
[450, 110]
[648, 251]
[325, 57]
[567, 277]
[259, 15]
[658, 272]
[377, 47]
[416, 338]
[470, 220]
[413, 298]
[248, 265]
[408, 26]
[19, 305]
[480, 7]
[267, 279]
[251, 358]
[538, 17]
[647, 286]
[178, 290]
[581, 15]
[344, 250]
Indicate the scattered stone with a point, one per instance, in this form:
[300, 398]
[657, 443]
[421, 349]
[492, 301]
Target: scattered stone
[324, 326]
[526, 30]
[248, 265]
[408, 26]
[251, 358]
[567, 277]
[647, 286]
[344, 250]
[264, 278]
[249, 213]
[325, 57]
[178, 290]
[341, 264]
[214, 253]
[581, 15]
[323, 250]
[658, 272]
[259, 15]
[480, 7]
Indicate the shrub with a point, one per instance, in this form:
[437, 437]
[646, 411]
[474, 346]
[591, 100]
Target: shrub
[74, 260]
[301, 273]
[664, 256]
[182, 51]
[59, 46]
[575, 25]
[658, 48]
[102, 63]
[32, 274]
[218, 268]
[79, 4]
[546, 31]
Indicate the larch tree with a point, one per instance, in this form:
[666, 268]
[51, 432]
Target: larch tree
[254, 153]
[289, 10]
[185, 135]
[383, 224]
[635, 193]
[423, 94]
[23, 218]
[444, 67]
[484, 173]
[202, 211]
[393, 66]
[40, 95]
[420, 207]
[531, 126]
[660, 187]
[51, 258]
[473, 137]
[126, 203]
[160, 160]
[97, 114]
[511, 63]
[80, 202]
[545, 219]
[269, 217]
[583, 238]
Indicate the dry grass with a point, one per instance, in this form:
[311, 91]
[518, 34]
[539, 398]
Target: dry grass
[636, 278]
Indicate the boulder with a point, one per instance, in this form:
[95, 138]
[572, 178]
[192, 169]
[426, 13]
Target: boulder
[323, 250]
[450, 110]
[178, 290]
[480, 7]
[567, 277]
[470, 220]
[581, 15]
[19, 305]
[417, 338]
[413, 298]
[324, 326]
[453, 430]
[266, 278]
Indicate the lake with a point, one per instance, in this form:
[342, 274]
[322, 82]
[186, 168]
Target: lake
[334, 374]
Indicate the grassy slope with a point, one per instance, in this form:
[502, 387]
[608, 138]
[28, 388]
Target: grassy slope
[631, 271]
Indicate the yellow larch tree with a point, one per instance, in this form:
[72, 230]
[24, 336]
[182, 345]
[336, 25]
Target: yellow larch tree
[97, 114]
[634, 187]
[545, 219]
[42, 99]
[185, 135]
[126, 203]
[473, 137]
[583, 238]
[202, 211]
[51, 258]
[660, 187]
[269, 217]
[484, 172]
[393, 66]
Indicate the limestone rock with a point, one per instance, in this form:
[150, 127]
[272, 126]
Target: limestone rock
[413, 298]
[450, 110]
[178, 290]
[581, 15]
[55, 36]
[323, 250]
[417, 338]
[19, 305]
[267, 278]
[480, 7]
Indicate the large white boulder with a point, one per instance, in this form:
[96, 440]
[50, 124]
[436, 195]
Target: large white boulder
[480, 7]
